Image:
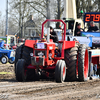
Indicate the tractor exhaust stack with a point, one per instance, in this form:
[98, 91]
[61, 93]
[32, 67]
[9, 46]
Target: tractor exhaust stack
[48, 34]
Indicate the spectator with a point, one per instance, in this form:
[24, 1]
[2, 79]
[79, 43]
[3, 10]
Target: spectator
[93, 27]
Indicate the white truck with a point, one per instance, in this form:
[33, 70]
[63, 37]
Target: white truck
[70, 16]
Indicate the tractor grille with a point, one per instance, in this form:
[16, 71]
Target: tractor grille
[39, 52]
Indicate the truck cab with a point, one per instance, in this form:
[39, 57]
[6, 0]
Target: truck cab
[71, 25]
[70, 17]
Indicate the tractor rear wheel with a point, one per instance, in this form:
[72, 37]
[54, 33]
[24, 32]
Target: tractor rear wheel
[83, 62]
[71, 62]
[60, 71]
[20, 70]
[26, 54]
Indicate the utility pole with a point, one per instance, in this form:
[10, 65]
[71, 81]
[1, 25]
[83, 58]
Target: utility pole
[48, 17]
[48, 9]
[59, 13]
[20, 15]
[6, 31]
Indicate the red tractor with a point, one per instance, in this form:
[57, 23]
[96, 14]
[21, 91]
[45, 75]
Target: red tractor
[37, 58]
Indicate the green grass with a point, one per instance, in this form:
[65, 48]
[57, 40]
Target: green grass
[2, 73]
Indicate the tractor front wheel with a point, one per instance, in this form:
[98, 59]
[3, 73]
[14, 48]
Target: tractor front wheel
[20, 70]
[18, 55]
[31, 75]
[83, 63]
[60, 71]
[12, 60]
[4, 59]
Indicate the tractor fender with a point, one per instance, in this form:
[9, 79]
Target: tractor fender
[69, 44]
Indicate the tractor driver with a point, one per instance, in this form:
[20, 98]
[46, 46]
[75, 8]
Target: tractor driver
[53, 35]
[78, 30]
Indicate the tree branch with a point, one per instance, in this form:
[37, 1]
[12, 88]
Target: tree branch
[38, 10]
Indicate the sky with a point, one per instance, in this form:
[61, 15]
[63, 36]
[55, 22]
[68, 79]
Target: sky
[3, 7]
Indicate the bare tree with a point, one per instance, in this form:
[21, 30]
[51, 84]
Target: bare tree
[87, 6]
[19, 11]
[2, 25]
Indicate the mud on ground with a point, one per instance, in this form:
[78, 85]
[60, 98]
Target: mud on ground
[6, 72]
[10, 89]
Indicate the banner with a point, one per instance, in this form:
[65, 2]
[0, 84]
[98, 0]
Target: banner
[91, 34]
[82, 40]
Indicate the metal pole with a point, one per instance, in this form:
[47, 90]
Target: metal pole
[48, 23]
[7, 22]
[20, 19]
[6, 33]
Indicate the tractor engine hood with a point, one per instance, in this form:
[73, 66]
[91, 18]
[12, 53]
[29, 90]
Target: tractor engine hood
[29, 43]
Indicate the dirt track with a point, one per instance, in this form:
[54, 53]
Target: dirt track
[10, 89]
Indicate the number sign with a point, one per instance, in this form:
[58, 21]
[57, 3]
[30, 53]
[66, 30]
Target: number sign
[92, 17]
[40, 45]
